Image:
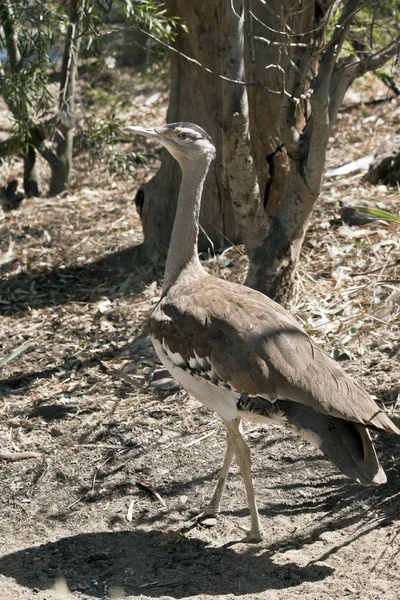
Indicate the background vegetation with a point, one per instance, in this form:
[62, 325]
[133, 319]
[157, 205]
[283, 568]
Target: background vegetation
[82, 397]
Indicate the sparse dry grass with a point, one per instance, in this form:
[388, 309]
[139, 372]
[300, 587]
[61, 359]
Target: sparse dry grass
[88, 397]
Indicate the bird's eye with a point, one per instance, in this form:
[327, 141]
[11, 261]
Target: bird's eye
[182, 135]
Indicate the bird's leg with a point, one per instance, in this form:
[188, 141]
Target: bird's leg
[212, 508]
[243, 457]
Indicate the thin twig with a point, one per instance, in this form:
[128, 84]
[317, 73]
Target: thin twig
[14, 456]
[283, 92]
[200, 439]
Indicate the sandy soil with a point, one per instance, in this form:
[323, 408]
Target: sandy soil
[127, 459]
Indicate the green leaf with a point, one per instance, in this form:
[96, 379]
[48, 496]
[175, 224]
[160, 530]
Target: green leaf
[379, 214]
[15, 353]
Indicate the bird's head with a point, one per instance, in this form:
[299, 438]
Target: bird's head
[185, 141]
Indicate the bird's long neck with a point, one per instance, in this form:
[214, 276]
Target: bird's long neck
[182, 253]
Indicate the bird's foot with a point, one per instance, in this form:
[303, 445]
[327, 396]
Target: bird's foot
[207, 518]
[253, 537]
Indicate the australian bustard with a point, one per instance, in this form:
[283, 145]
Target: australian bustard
[243, 355]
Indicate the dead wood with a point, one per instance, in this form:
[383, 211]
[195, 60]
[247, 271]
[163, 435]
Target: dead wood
[14, 456]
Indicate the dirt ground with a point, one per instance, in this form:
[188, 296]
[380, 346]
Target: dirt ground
[127, 458]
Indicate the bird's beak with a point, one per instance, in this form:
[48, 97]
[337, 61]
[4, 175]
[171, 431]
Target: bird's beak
[147, 131]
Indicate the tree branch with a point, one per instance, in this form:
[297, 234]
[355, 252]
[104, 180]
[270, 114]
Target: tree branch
[330, 56]
[350, 68]
[375, 61]
[6, 18]
[280, 92]
[14, 456]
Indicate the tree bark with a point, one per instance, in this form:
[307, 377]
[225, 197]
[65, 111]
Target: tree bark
[19, 109]
[61, 161]
[31, 175]
[295, 134]
[294, 85]
[385, 167]
[215, 40]
[11, 38]
[237, 162]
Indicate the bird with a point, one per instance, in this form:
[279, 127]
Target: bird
[243, 355]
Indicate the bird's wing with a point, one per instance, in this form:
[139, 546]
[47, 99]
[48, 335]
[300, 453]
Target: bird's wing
[236, 336]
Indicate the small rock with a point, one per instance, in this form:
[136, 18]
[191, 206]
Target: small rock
[209, 522]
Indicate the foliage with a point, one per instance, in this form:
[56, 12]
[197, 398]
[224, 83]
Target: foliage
[99, 134]
[374, 27]
[374, 23]
[24, 84]
[35, 28]
[101, 138]
[15, 353]
[379, 214]
[151, 16]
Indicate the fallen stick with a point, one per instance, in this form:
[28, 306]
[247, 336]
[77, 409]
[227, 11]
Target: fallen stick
[14, 456]
[201, 438]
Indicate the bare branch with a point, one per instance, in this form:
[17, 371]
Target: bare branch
[330, 56]
[378, 59]
[14, 456]
[342, 77]
[326, 7]
[286, 34]
[350, 68]
[192, 60]
[284, 44]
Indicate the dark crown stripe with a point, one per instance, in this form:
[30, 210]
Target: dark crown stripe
[186, 125]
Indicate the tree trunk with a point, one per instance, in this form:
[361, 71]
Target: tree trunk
[237, 162]
[385, 167]
[19, 109]
[31, 175]
[215, 40]
[61, 161]
[295, 83]
[276, 120]
[291, 143]
[11, 38]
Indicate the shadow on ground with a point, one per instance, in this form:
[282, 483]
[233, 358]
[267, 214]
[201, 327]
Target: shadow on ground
[23, 380]
[112, 274]
[151, 563]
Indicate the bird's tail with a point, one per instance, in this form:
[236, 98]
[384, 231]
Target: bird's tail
[348, 445]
